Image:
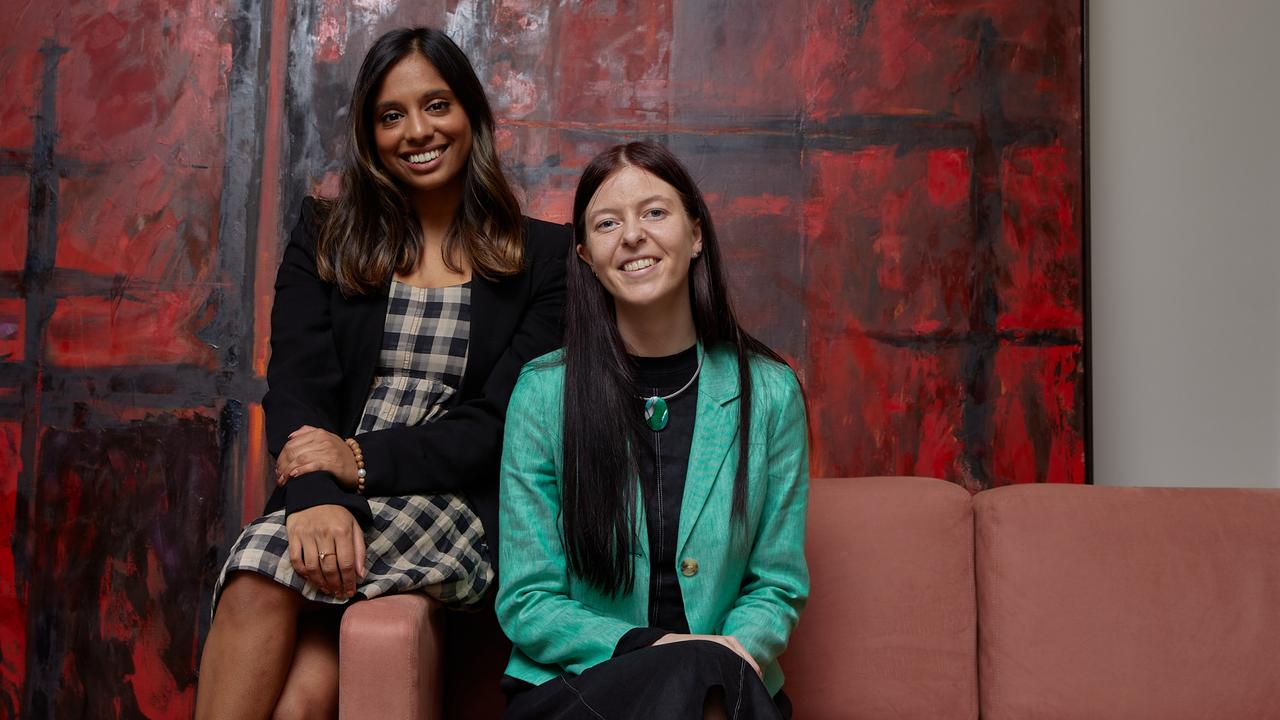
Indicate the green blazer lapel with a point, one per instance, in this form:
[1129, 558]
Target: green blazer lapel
[713, 433]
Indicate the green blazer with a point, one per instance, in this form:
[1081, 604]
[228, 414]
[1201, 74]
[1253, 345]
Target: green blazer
[751, 584]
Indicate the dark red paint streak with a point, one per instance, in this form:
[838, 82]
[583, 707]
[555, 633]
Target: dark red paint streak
[127, 521]
[111, 159]
[1038, 388]
[13, 605]
[884, 408]
[946, 338]
[1039, 248]
[613, 62]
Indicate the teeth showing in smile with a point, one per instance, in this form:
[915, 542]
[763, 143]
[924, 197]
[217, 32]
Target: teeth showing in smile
[640, 264]
[426, 157]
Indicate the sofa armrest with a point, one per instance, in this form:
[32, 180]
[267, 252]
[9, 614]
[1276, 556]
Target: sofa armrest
[389, 659]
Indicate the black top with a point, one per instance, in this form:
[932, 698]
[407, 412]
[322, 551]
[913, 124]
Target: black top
[663, 463]
[662, 483]
[324, 348]
[663, 486]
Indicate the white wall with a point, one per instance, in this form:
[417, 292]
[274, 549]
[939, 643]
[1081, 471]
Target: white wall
[1185, 124]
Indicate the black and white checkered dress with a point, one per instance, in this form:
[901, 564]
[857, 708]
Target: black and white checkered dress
[427, 543]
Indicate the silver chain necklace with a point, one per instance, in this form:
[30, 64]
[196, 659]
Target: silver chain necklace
[656, 414]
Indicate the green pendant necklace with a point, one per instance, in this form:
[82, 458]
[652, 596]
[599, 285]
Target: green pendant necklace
[656, 414]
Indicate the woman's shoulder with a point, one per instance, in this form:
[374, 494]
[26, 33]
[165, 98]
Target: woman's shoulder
[545, 372]
[313, 209]
[539, 388]
[544, 239]
[311, 214]
[763, 368]
[773, 380]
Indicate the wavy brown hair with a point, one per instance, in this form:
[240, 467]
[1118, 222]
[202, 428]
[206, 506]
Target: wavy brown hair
[369, 230]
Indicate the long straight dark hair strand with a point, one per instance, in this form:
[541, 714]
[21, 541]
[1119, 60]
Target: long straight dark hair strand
[601, 425]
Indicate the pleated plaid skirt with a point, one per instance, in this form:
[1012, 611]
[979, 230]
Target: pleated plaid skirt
[428, 543]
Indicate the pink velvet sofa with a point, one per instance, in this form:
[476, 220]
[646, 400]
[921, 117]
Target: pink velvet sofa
[1018, 603]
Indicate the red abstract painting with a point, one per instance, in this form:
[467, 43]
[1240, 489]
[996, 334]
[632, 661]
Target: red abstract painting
[899, 186]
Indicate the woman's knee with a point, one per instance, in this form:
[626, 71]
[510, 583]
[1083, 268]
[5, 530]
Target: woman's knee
[710, 652]
[311, 689]
[249, 597]
[306, 706]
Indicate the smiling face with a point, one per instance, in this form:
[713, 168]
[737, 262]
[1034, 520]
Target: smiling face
[422, 133]
[640, 242]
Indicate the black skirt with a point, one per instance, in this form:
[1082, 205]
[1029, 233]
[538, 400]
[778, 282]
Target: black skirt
[664, 681]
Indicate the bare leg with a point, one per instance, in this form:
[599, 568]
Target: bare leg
[311, 690]
[249, 649]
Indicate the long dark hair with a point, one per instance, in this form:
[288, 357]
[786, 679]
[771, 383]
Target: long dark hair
[601, 425]
[370, 229]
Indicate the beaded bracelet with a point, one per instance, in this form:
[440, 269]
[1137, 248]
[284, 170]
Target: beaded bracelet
[360, 473]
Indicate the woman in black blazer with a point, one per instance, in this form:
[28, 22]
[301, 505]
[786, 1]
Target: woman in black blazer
[403, 313]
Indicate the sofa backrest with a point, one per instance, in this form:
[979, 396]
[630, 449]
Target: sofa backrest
[1103, 603]
[890, 628]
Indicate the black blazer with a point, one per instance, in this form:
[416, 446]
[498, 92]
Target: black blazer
[324, 348]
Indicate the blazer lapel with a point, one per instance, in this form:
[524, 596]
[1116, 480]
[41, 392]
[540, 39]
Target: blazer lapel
[358, 324]
[713, 435]
[486, 316]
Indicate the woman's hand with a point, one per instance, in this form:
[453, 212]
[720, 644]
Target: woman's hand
[310, 449]
[326, 546]
[728, 641]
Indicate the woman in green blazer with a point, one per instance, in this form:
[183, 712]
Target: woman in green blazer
[663, 577]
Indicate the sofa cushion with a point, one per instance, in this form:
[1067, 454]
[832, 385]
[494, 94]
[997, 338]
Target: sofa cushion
[1128, 603]
[889, 631]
